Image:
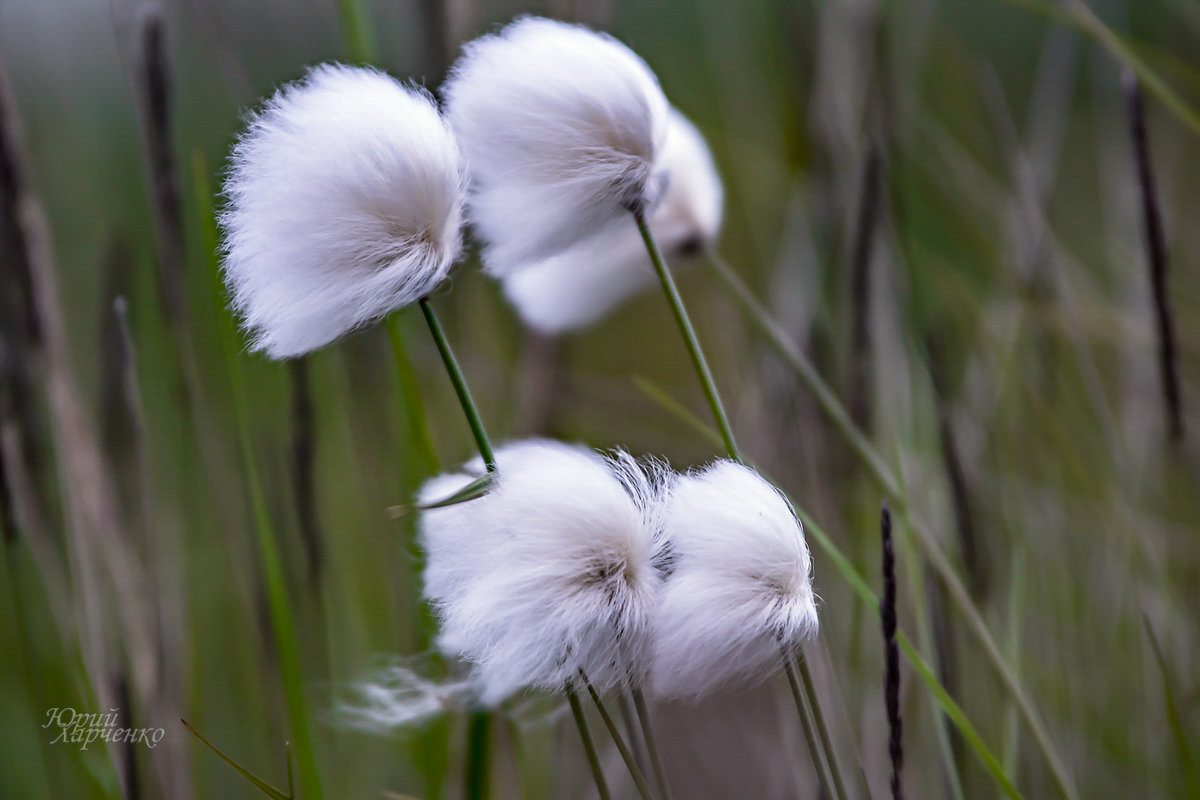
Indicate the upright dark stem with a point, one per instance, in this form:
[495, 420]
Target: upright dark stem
[820, 765]
[818, 718]
[860, 288]
[891, 681]
[1156, 253]
[460, 385]
[303, 466]
[589, 746]
[479, 734]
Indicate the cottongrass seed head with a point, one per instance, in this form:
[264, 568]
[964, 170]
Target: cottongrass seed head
[345, 198]
[579, 287]
[739, 588]
[561, 127]
[549, 573]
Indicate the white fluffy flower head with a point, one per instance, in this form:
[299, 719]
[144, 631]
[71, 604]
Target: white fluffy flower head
[549, 573]
[578, 287]
[561, 127]
[345, 203]
[740, 588]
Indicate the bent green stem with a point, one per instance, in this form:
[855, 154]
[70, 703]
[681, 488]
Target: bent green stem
[718, 410]
[643, 715]
[890, 485]
[589, 746]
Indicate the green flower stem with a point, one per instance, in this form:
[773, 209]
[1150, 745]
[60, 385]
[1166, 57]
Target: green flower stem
[689, 337]
[589, 746]
[718, 410]
[643, 715]
[410, 393]
[460, 385]
[479, 736]
[891, 487]
[619, 740]
[810, 735]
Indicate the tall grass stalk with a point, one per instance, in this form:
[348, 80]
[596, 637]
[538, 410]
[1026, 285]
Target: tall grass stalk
[891, 487]
[589, 746]
[643, 715]
[700, 363]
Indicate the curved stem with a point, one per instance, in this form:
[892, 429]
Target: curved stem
[460, 385]
[589, 746]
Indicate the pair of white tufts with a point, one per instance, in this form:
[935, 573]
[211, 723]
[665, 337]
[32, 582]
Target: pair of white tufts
[347, 191]
[578, 564]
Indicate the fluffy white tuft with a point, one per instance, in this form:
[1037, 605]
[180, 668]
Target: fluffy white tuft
[561, 127]
[739, 587]
[345, 199]
[550, 572]
[577, 288]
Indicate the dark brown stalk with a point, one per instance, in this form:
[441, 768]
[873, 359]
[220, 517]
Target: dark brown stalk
[539, 383]
[869, 207]
[303, 465]
[891, 681]
[153, 83]
[1157, 257]
[956, 476]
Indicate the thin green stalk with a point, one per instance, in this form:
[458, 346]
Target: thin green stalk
[589, 746]
[643, 715]
[638, 780]
[890, 485]
[689, 337]
[818, 716]
[460, 385]
[810, 735]
[714, 400]
[479, 736]
[410, 391]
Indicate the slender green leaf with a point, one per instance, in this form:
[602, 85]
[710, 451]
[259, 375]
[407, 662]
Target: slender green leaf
[254, 780]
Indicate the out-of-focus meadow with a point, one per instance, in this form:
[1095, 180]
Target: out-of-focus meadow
[937, 200]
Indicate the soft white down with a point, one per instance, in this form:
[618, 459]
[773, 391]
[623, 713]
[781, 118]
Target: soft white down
[579, 287]
[548, 573]
[345, 198]
[561, 127]
[739, 588]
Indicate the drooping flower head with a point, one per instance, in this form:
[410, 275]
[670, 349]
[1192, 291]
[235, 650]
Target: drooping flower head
[740, 589]
[578, 287]
[549, 573]
[561, 127]
[345, 198]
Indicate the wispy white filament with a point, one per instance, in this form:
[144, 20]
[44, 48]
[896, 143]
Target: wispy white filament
[561, 127]
[399, 696]
[548, 573]
[739, 587]
[344, 203]
[577, 288]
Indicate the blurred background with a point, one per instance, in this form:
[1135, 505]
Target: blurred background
[938, 202]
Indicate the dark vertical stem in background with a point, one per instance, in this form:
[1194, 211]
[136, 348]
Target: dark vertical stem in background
[891, 681]
[436, 39]
[869, 207]
[538, 383]
[476, 774]
[152, 79]
[304, 483]
[956, 476]
[1156, 253]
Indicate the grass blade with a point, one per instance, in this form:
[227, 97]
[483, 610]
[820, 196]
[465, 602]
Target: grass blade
[1191, 775]
[251, 778]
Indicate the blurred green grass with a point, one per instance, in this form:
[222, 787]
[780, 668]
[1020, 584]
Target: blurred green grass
[1036, 300]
